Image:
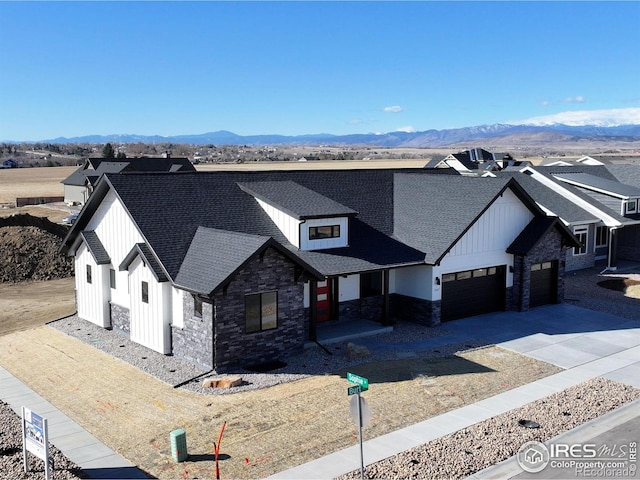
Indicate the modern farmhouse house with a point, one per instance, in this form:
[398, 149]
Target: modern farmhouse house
[229, 269]
[79, 185]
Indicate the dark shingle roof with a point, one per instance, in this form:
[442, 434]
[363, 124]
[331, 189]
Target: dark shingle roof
[296, 200]
[94, 167]
[535, 231]
[214, 255]
[95, 247]
[626, 173]
[551, 200]
[431, 214]
[143, 251]
[604, 185]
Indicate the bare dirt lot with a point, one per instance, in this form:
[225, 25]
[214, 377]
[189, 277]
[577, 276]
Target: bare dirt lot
[32, 182]
[30, 304]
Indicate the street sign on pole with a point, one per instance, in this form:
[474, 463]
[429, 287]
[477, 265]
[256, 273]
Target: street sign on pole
[354, 389]
[358, 380]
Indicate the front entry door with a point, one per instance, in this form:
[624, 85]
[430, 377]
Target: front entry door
[323, 301]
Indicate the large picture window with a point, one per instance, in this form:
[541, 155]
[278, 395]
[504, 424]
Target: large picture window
[261, 311]
[370, 284]
[329, 231]
[581, 234]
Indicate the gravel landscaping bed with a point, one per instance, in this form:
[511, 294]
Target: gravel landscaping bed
[313, 361]
[11, 456]
[479, 446]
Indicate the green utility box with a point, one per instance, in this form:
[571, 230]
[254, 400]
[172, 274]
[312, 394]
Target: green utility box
[179, 445]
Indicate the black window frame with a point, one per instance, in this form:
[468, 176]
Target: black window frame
[315, 235]
[144, 290]
[197, 306]
[89, 274]
[112, 279]
[261, 320]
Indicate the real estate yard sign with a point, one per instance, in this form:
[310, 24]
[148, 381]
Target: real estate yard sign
[35, 439]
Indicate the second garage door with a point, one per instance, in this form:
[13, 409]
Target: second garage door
[472, 292]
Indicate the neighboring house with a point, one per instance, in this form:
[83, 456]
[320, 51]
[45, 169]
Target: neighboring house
[612, 229]
[9, 163]
[79, 185]
[476, 161]
[227, 268]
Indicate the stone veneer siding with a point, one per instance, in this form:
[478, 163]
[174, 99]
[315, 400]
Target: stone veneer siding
[548, 249]
[416, 310]
[578, 262]
[235, 347]
[194, 342]
[120, 318]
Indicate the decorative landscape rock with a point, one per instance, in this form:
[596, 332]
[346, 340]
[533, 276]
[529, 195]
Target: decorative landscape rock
[354, 351]
[225, 382]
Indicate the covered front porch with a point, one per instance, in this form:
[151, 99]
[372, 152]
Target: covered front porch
[345, 330]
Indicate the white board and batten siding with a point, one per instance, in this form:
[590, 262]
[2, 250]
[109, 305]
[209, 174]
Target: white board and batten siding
[319, 244]
[485, 243]
[118, 235]
[288, 225]
[92, 298]
[150, 321]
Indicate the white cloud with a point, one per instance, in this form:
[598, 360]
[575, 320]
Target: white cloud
[577, 99]
[393, 109]
[612, 117]
[407, 129]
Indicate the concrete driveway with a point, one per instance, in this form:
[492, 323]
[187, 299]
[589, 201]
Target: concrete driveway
[585, 343]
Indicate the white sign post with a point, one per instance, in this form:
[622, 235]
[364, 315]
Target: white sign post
[35, 439]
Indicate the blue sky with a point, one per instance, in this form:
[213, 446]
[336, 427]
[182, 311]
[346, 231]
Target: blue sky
[167, 68]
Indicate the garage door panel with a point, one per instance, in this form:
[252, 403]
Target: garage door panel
[543, 285]
[473, 292]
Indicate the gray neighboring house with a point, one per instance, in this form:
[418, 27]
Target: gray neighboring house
[79, 185]
[229, 269]
[610, 230]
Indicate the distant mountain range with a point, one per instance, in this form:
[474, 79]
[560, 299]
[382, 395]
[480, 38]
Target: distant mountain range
[497, 134]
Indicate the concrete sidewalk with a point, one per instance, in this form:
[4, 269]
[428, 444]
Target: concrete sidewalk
[92, 456]
[587, 344]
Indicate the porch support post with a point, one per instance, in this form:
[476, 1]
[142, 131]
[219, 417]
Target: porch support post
[613, 249]
[386, 320]
[313, 309]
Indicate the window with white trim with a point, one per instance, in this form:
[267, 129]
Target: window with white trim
[602, 236]
[581, 234]
[631, 206]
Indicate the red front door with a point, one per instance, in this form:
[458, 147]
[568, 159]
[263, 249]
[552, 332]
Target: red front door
[323, 301]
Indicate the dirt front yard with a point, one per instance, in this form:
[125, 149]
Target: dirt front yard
[30, 304]
[267, 430]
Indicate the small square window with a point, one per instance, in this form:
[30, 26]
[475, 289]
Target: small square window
[89, 279]
[145, 292]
